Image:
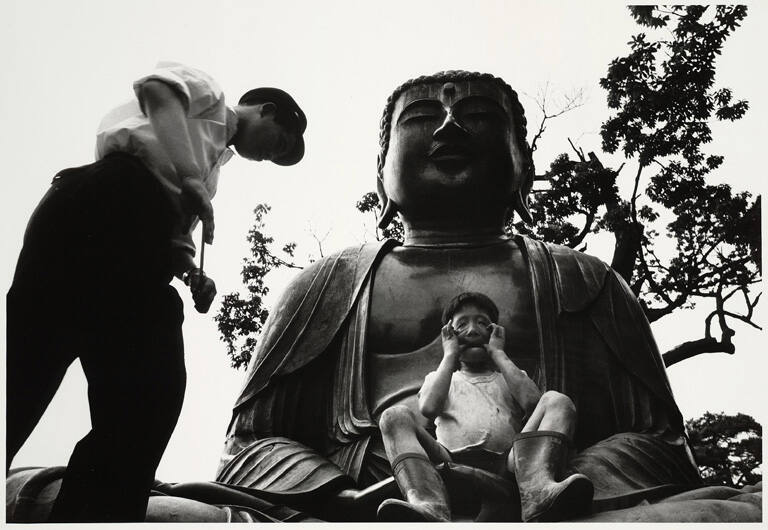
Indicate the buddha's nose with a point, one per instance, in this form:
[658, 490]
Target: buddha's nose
[449, 127]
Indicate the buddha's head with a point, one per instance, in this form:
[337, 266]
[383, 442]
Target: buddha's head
[453, 147]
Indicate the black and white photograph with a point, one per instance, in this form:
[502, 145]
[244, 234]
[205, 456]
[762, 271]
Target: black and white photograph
[383, 262]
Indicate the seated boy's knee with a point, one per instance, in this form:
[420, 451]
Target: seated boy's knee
[555, 400]
[395, 418]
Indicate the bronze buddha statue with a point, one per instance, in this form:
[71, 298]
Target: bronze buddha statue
[356, 332]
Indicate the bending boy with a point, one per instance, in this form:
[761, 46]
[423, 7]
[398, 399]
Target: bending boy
[92, 279]
[478, 400]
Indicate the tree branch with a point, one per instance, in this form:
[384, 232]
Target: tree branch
[318, 240]
[571, 102]
[742, 318]
[584, 231]
[280, 261]
[579, 152]
[633, 202]
[692, 348]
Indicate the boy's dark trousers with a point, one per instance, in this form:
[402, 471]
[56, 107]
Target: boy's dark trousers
[92, 282]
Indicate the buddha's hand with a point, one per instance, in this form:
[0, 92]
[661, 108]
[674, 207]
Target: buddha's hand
[495, 345]
[450, 344]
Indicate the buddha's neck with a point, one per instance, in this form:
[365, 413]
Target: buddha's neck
[434, 234]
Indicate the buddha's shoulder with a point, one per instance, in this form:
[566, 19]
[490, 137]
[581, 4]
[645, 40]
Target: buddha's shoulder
[345, 263]
[580, 277]
[571, 262]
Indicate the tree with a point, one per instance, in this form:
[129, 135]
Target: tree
[663, 100]
[728, 449]
[240, 319]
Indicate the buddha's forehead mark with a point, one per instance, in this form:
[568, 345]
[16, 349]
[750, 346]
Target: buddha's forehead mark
[451, 92]
[448, 92]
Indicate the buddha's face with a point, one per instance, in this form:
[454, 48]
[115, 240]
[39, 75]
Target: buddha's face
[452, 146]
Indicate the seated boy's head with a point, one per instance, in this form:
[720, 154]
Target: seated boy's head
[471, 315]
[270, 125]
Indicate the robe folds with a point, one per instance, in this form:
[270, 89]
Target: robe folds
[302, 426]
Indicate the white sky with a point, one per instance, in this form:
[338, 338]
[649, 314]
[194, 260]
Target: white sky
[65, 64]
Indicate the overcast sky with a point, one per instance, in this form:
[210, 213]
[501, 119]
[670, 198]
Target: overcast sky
[66, 63]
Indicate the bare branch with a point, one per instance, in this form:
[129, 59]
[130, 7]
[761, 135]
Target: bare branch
[579, 152]
[571, 102]
[590, 215]
[742, 318]
[633, 202]
[318, 240]
[692, 348]
[708, 324]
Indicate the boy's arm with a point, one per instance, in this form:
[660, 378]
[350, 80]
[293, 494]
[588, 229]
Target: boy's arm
[523, 389]
[434, 391]
[167, 116]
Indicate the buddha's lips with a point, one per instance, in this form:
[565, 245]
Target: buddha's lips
[446, 151]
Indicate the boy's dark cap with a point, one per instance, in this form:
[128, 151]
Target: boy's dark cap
[289, 111]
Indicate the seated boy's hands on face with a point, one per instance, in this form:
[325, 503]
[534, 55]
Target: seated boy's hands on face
[450, 343]
[495, 346]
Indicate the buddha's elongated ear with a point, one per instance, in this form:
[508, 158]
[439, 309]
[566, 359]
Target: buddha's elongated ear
[521, 181]
[387, 208]
[520, 205]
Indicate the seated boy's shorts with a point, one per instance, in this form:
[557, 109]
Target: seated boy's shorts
[484, 459]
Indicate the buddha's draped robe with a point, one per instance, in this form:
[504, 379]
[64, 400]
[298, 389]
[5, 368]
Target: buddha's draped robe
[302, 425]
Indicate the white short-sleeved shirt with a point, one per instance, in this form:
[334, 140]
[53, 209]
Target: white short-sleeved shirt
[211, 125]
[479, 412]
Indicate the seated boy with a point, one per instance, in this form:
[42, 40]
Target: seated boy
[479, 400]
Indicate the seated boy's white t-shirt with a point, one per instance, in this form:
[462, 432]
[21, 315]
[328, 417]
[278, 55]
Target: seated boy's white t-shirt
[479, 412]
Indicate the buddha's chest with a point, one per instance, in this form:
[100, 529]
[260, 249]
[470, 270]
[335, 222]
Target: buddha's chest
[412, 286]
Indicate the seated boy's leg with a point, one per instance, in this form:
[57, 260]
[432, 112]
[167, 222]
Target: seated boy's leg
[539, 458]
[553, 412]
[411, 452]
[403, 433]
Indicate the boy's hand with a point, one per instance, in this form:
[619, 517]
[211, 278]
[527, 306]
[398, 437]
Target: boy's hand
[196, 200]
[203, 290]
[450, 342]
[495, 346]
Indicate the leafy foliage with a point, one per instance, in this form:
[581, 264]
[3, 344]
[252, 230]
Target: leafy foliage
[369, 203]
[664, 99]
[728, 449]
[240, 319]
